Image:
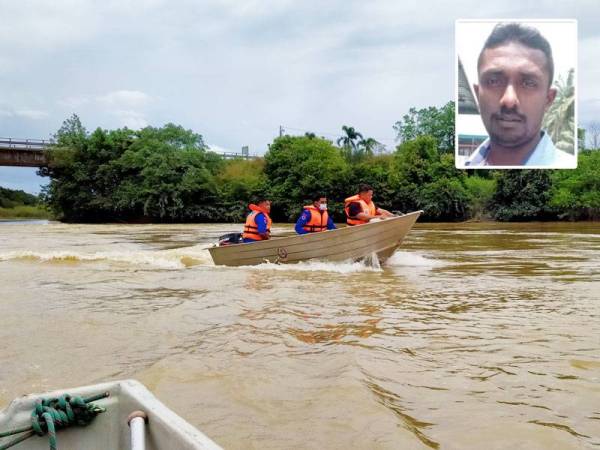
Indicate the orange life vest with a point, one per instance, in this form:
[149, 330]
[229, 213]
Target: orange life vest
[318, 220]
[368, 208]
[251, 228]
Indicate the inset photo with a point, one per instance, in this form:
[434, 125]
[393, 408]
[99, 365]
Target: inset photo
[516, 94]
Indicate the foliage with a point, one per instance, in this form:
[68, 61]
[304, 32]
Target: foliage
[480, 192]
[155, 173]
[298, 168]
[435, 122]
[522, 195]
[423, 178]
[166, 174]
[10, 198]
[560, 118]
[576, 193]
[25, 212]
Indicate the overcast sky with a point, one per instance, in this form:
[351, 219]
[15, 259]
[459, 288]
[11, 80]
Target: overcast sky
[234, 71]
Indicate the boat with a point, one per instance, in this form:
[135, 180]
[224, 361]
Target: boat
[127, 416]
[381, 238]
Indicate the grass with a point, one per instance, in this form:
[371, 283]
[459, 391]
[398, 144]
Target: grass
[25, 212]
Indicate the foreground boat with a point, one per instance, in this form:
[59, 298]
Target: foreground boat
[349, 243]
[164, 430]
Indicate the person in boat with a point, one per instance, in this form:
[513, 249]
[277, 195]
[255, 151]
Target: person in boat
[315, 218]
[360, 208]
[258, 222]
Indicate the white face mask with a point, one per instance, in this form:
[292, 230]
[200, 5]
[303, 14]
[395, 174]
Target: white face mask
[322, 206]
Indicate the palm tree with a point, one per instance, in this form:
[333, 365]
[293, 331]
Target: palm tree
[559, 120]
[369, 146]
[349, 140]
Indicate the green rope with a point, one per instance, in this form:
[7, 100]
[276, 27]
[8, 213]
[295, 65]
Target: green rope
[53, 414]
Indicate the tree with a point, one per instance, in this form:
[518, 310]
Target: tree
[370, 146]
[298, 167]
[350, 139]
[559, 121]
[422, 178]
[161, 174]
[522, 195]
[431, 121]
[593, 132]
[576, 193]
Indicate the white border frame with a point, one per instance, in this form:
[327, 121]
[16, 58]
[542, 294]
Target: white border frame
[575, 86]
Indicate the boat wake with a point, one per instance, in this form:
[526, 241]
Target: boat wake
[315, 266]
[411, 259]
[179, 258]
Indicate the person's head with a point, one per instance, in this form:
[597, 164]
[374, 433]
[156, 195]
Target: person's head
[365, 192]
[515, 72]
[319, 202]
[264, 203]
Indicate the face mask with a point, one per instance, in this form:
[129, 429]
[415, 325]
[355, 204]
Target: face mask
[322, 206]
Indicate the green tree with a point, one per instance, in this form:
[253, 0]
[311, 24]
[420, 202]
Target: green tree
[299, 167]
[522, 195]
[576, 193]
[239, 182]
[480, 192]
[422, 178]
[431, 121]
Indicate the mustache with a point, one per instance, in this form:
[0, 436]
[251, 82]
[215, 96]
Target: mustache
[509, 114]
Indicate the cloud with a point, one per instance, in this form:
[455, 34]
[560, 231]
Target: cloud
[24, 113]
[125, 99]
[131, 119]
[74, 102]
[218, 149]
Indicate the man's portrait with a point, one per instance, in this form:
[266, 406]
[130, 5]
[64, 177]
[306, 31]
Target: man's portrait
[516, 94]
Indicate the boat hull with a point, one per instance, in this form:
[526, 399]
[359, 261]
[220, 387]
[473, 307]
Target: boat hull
[109, 430]
[348, 243]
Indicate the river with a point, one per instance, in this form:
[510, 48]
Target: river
[477, 335]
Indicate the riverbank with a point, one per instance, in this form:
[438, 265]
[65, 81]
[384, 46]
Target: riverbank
[25, 212]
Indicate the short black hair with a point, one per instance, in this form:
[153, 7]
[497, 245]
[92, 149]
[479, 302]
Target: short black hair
[317, 197]
[364, 188]
[504, 33]
[261, 199]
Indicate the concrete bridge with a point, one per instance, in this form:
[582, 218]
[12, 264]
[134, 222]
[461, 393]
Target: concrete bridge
[23, 152]
[32, 152]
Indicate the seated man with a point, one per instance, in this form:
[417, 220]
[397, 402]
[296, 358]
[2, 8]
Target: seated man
[360, 208]
[258, 222]
[315, 217]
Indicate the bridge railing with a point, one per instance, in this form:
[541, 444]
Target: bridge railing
[24, 144]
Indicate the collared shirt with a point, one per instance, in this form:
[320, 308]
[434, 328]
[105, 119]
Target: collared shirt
[544, 154]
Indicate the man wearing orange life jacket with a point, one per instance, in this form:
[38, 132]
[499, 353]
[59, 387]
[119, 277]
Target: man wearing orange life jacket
[315, 217]
[258, 222]
[360, 208]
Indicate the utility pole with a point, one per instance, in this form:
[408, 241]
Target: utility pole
[280, 131]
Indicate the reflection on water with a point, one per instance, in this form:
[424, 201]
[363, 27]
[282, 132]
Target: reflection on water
[471, 336]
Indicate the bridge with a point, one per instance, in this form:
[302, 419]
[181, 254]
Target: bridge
[32, 152]
[23, 152]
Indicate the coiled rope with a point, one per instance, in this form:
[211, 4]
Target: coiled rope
[53, 414]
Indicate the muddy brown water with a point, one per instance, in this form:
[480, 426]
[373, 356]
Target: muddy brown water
[472, 336]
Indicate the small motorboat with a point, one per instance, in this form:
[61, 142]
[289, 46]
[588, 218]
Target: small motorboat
[348, 243]
[127, 416]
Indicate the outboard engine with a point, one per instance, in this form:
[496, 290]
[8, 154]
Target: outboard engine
[230, 238]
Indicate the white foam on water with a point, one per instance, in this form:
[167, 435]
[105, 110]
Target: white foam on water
[165, 259]
[315, 266]
[412, 259]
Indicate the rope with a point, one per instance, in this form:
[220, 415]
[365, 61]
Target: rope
[53, 414]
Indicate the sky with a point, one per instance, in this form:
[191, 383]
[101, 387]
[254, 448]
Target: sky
[236, 71]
